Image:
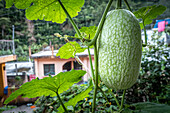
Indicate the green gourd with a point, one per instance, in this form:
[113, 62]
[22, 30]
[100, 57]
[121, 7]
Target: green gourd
[120, 49]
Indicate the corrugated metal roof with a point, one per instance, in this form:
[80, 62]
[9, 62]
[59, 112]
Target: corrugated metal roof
[49, 53]
[21, 67]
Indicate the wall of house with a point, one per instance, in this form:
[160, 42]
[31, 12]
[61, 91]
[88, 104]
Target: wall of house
[39, 63]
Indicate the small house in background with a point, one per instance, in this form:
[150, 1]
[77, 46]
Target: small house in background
[18, 72]
[47, 63]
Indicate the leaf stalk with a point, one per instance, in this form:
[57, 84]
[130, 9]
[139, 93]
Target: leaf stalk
[71, 20]
[91, 65]
[144, 32]
[122, 101]
[96, 78]
[119, 4]
[92, 42]
[61, 102]
[103, 94]
[117, 102]
[127, 4]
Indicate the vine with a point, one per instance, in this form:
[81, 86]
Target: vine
[57, 82]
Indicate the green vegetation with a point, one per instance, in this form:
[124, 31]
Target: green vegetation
[54, 88]
[5, 108]
[36, 33]
[152, 86]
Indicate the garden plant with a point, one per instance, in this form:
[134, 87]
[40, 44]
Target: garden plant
[117, 53]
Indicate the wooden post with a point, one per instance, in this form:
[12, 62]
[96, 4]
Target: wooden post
[16, 70]
[52, 50]
[3, 79]
[29, 51]
[72, 64]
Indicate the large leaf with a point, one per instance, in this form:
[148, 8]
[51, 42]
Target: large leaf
[148, 107]
[48, 10]
[149, 13]
[77, 98]
[48, 86]
[88, 32]
[69, 50]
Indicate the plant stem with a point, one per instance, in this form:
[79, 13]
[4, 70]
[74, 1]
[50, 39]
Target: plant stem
[127, 4]
[103, 94]
[92, 72]
[91, 65]
[71, 20]
[61, 102]
[119, 4]
[144, 32]
[96, 78]
[100, 24]
[122, 101]
[117, 102]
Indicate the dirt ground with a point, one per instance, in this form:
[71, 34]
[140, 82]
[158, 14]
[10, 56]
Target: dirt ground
[22, 109]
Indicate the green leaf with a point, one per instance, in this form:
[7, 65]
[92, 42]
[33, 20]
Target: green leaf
[9, 3]
[69, 50]
[48, 86]
[88, 32]
[48, 10]
[148, 107]
[67, 79]
[77, 98]
[162, 68]
[149, 13]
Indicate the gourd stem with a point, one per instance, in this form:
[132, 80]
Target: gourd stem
[119, 4]
[96, 78]
[122, 101]
[71, 20]
[100, 24]
[127, 4]
[144, 32]
[92, 72]
[91, 65]
[61, 102]
[117, 102]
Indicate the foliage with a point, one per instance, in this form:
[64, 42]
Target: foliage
[3, 52]
[88, 32]
[48, 104]
[153, 83]
[48, 86]
[69, 50]
[147, 107]
[47, 10]
[72, 102]
[54, 86]
[43, 31]
[149, 13]
[5, 108]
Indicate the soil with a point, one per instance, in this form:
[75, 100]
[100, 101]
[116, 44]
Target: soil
[21, 109]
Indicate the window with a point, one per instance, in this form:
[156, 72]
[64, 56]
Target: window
[49, 69]
[71, 65]
[67, 66]
[77, 66]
